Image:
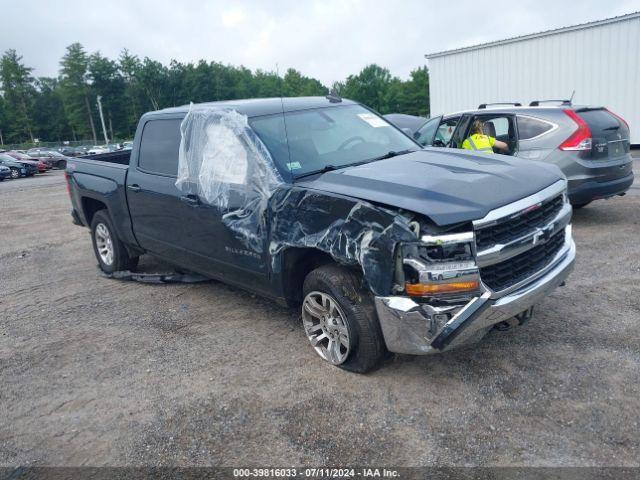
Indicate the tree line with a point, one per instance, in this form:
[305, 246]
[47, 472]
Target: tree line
[64, 107]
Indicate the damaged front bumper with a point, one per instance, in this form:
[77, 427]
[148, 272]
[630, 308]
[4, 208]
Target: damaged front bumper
[409, 327]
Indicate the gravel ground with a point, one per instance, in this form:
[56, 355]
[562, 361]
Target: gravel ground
[100, 372]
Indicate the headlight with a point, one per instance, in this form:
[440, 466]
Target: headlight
[441, 266]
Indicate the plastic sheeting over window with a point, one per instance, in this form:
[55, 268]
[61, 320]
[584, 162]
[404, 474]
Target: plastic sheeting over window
[224, 163]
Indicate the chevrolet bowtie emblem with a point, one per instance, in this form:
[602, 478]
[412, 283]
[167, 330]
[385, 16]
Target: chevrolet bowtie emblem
[542, 234]
[537, 236]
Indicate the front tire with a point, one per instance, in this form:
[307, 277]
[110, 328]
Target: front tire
[340, 321]
[110, 252]
[15, 173]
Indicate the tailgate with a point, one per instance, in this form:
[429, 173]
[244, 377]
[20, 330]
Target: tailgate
[609, 132]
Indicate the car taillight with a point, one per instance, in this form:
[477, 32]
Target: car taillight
[581, 138]
[618, 117]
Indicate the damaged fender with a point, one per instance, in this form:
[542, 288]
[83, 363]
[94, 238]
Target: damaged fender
[351, 231]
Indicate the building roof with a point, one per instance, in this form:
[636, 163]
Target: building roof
[530, 36]
[263, 106]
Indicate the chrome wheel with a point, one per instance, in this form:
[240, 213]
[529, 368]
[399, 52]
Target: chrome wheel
[325, 326]
[15, 173]
[104, 245]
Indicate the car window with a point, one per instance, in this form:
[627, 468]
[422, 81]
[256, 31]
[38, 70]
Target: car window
[500, 127]
[445, 130]
[159, 147]
[460, 132]
[529, 127]
[425, 134]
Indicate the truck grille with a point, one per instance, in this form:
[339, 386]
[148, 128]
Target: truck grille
[505, 274]
[513, 228]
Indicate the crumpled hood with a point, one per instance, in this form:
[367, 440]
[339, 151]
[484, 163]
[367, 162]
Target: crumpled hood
[446, 185]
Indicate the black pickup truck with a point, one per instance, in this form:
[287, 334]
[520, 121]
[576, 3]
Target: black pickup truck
[321, 203]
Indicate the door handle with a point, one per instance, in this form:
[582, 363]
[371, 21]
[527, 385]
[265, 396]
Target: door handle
[134, 188]
[191, 200]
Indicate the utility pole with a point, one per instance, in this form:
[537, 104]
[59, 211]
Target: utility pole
[104, 128]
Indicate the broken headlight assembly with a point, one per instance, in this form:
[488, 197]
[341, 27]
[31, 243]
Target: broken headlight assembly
[439, 267]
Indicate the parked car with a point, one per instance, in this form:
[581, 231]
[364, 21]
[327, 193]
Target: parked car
[24, 158]
[407, 123]
[68, 151]
[589, 144]
[83, 149]
[49, 156]
[30, 166]
[97, 149]
[45, 158]
[17, 169]
[321, 203]
[5, 172]
[127, 145]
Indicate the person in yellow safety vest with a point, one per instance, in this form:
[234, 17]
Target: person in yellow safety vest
[483, 143]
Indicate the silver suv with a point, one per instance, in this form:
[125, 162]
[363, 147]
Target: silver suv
[589, 144]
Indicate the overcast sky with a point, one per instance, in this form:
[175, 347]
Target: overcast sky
[326, 39]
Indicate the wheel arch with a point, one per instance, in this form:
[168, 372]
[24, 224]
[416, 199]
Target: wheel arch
[296, 264]
[89, 208]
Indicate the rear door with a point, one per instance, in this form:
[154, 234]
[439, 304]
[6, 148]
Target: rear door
[609, 133]
[157, 214]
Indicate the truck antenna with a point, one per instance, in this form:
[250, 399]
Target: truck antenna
[284, 122]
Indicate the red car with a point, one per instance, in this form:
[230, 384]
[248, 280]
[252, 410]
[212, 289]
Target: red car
[24, 158]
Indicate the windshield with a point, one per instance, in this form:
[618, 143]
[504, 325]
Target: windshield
[332, 137]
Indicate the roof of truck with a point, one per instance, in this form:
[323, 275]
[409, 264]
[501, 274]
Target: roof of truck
[254, 107]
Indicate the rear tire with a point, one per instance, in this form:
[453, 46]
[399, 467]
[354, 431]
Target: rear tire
[111, 253]
[355, 310]
[61, 164]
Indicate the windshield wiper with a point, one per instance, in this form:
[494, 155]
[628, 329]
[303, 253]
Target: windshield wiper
[392, 154]
[325, 169]
[331, 168]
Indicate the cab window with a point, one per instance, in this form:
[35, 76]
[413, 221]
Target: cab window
[159, 147]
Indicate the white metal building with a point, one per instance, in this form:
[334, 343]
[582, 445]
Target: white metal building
[599, 60]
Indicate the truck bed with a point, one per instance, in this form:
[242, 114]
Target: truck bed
[121, 157]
